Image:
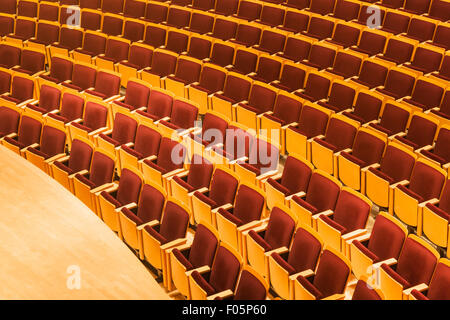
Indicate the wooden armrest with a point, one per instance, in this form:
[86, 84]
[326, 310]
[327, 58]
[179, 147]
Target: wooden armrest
[173, 172]
[174, 243]
[431, 201]
[298, 194]
[82, 172]
[403, 182]
[63, 159]
[98, 131]
[328, 212]
[306, 274]
[201, 190]
[354, 234]
[374, 165]
[150, 224]
[224, 294]
[225, 207]
[389, 262]
[249, 226]
[200, 270]
[130, 206]
[277, 250]
[336, 296]
[419, 287]
[361, 238]
[55, 157]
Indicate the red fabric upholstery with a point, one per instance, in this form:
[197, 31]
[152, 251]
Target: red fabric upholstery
[29, 131]
[182, 259]
[310, 287]
[170, 154]
[331, 275]
[9, 121]
[80, 156]
[351, 211]
[249, 288]
[280, 229]
[426, 181]
[129, 187]
[203, 283]
[249, 204]
[223, 188]
[183, 114]
[364, 292]
[416, 263]
[394, 275]
[304, 252]
[174, 222]
[369, 254]
[203, 247]
[396, 164]
[224, 271]
[386, 240]
[439, 284]
[151, 204]
[102, 169]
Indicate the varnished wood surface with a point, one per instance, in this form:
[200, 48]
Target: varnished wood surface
[44, 230]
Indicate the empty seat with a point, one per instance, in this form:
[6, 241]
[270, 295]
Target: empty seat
[190, 257]
[125, 193]
[295, 21]
[9, 55]
[316, 87]
[6, 24]
[436, 290]
[94, 43]
[90, 19]
[345, 35]
[364, 291]
[133, 30]
[396, 22]
[248, 10]
[188, 71]
[398, 84]
[438, 152]
[296, 49]
[397, 51]
[271, 15]
[293, 181]
[319, 28]
[22, 91]
[341, 96]
[98, 178]
[416, 7]
[302, 255]
[271, 41]
[9, 7]
[226, 7]
[27, 8]
[77, 161]
[373, 247]
[156, 12]
[321, 56]
[48, 11]
[183, 117]
[421, 29]
[49, 100]
[72, 108]
[139, 57]
[346, 10]
[204, 5]
[367, 107]
[367, 149]
[178, 17]
[292, 77]
[29, 133]
[222, 54]
[25, 28]
[160, 235]
[222, 275]
[247, 34]
[427, 94]
[346, 64]
[441, 36]
[421, 131]
[46, 34]
[83, 77]
[439, 9]
[426, 59]
[370, 15]
[372, 74]
[95, 120]
[134, 8]
[113, 6]
[107, 85]
[315, 285]
[406, 272]
[232, 221]
[371, 42]
[32, 62]
[159, 105]
[9, 122]
[163, 64]
[339, 136]
[201, 22]
[69, 39]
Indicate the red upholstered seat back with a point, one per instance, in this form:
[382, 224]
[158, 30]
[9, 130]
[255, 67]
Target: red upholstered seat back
[427, 94]
[296, 175]
[272, 42]
[47, 33]
[426, 181]
[22, 88]
[373, 74]
[340, 134]
[440, 283]
[305, 251]
[29, 131]
[5, 82]
[183, 114]
[159, 104]
[129, 187]
[107, 83]
[346, 10]
[317, 86]
[141, 57]
[351, 212]
[224, 271]
[124, 129]
[178, 17]
[9, 55]
[199, 48]
[287, 109]
[249, 204]
[371, 42]
[151, 204]
[224, 29]
[341, 96]
[163, 64]
[137, 94]
[444, 201]
[223, 187]
[200, 172]
[226, 7]
[421, 30]
[155, 36]
[268, 69]
[214, 128]
[416, 263]
[397, 164]
[331, 274]
[25, 28]
[249, 288]
[322, 56]
[394, 118]
[295, 21]
[32, 61]
[296, 49]
[48, 12]
[203, 247]
[133, 31]
[367, 107]
[368, 148]
[201, 23]
[156, 12]
[113, 6]
[441, 36]
[174, 222]
[102, 169]
[346, 35]
[398, 51]
[61, 69]
[262, 98]
[147, 141]
[264, 156]
[53, 141]
[245, 61]
[417, 6]
[27, 9]
[9, 121]
[117, 50]
[320, 28]
[441, 147]
[399, 83]
[171, 155]
[49, 98]
[212, 79]
[322, 193]
[292, 78]
[364, 292]
[91, 20]
[386, 240]
[188, 70]
[238, 142]
[83, 76]
[279, 229]
[95, 115]
[427, 60]
[222, 54]
[80, 156]
[71, 107]
[312, 122]
[134, 9]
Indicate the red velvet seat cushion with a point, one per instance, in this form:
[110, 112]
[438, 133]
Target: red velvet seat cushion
[255, 236]
[394, 275]
[182, 259]
[366, 251]
[418, 295]
[226, 214]
[278, 186]
[305, 205]
[156, 235]
[310, 287]
[333, 224]
[410, 193]
[205, 199]
[203, 283]
[286, 266]
[110, 198]
[381, 175]
[183, 183]
[85, 180]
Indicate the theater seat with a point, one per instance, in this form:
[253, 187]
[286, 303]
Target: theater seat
[87, 184]
[286, 263]
[414, 268]
[95, 120]
[29, 133]
[124, 193]
[426, 183]
[223, 274]
[437, 288]
[183, 259]
[328, 281]
[250, 286]
[364, 291]
[275, 233]
[422, 130]
[245, 213]
[385, 241]
[64, 169]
